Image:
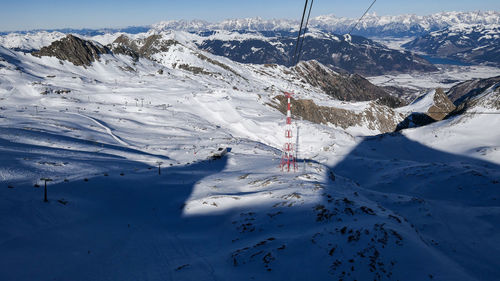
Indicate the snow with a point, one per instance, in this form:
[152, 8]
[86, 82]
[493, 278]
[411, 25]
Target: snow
[445, 78]
[29, 41]
[421, 104]
[404, 206]
[393, 43]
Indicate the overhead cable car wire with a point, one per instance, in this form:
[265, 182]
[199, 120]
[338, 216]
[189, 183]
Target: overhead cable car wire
[305, 30]
[300, 31]
[359, 20]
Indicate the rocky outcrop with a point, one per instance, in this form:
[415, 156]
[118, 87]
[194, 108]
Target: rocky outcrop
[344, 87]
[442, 106]
[73, 49]
[146, 47]
[123, 46]
[375, 117]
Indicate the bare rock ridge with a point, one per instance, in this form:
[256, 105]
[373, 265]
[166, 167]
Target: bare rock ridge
[344, 87]
[74, 49]
[146, 47]
[375, 117]
[442, 106]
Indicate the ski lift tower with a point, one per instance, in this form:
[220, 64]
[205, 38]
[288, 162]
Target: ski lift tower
[288, 155]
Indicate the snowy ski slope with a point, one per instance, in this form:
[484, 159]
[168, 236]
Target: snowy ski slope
[419, 205]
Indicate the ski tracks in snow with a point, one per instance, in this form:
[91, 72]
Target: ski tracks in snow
[102, 125]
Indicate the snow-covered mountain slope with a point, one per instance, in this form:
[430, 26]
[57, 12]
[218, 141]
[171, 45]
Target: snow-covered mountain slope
[428, 108]
[411, 85]
[29, 41]
[205, 82]
[471, 88]
[427, 174]
[483, 100]
[474, 121]
[354, 54]
[468, 43]
[394, 207]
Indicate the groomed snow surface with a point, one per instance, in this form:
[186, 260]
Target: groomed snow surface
[420, 205]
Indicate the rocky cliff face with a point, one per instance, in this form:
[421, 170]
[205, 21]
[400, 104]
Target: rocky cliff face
[442, 106]
[146, 47]
[374, 117]
[73, 49]
[344, 87]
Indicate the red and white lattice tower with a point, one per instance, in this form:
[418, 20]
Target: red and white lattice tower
[288, 156]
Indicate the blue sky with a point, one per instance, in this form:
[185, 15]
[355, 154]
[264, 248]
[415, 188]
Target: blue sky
[33, 14]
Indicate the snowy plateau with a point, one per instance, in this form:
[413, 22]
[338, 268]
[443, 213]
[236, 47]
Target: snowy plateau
[403, 184]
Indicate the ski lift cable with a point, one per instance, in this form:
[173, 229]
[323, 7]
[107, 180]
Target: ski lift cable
[300, 31]
[305, 30]
[359, 20]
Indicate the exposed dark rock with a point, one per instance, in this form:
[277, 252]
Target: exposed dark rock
[146, 47]
[405, 94]
[345, 87]
[74, 49]
[415, 119]
[125, 50]
[442, 106]
[374, 117]
[391, 101]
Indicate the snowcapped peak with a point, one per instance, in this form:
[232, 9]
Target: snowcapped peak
[193, 25]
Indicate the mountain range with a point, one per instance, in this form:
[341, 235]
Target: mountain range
[344, 54]
[472, 44]
[370, 26]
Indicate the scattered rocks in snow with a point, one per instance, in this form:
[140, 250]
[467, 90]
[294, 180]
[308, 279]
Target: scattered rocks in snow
[182, 267]
[62, 201]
